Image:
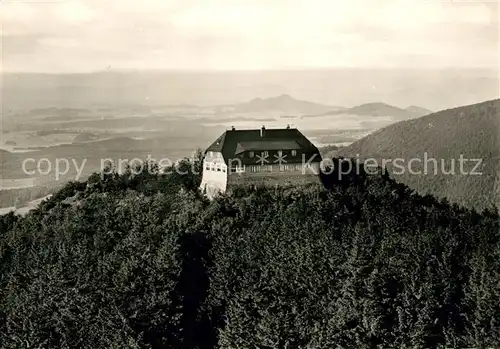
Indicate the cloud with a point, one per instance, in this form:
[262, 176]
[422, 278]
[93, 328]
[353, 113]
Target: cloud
[248, 34]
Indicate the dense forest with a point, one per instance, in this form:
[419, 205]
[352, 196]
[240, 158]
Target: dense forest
[145, 261]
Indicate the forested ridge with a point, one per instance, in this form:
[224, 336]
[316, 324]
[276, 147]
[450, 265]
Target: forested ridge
[469, 131]
[145, 261]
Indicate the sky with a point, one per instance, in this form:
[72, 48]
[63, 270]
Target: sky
[95, 35]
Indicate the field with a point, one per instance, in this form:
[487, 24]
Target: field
[50, 146]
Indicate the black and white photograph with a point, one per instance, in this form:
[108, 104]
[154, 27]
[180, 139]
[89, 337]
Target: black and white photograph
[249, 174]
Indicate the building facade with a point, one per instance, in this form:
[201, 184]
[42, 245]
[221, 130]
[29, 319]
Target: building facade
[261, 156]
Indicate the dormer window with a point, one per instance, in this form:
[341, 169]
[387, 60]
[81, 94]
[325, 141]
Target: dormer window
[251, 154]
[280, 153]
[265, 154]
[294, 152]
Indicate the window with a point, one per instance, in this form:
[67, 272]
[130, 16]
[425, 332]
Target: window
[265, 153]
[252, 154]
[238, 169]
[264, 168]
[211, 153]
[280, 153]
[294, 152]
[207, 166]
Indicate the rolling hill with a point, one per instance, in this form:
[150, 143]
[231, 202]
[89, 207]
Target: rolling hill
[470, 132]
[283, 103]
[379, 109]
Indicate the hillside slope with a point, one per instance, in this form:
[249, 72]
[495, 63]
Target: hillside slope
[471, 131]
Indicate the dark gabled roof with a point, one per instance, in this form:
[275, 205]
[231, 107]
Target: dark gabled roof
[234, 142]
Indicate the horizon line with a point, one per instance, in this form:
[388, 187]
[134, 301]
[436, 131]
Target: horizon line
[244, 70]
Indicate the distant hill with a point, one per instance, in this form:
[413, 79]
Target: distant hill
[112, 89]
[380, 109]
[283, 103]
[470, 131]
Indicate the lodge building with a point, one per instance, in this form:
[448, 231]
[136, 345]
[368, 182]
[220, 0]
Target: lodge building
[259, 156]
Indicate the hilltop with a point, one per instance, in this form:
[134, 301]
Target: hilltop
[470, 131]
[284, 103]
[379, 109]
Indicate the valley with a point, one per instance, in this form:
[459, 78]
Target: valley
[77, 140]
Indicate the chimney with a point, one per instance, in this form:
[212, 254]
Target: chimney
[262, 131]
[288, 126]
[233, 128]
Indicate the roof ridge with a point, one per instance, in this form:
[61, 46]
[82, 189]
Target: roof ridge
[267, 129]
